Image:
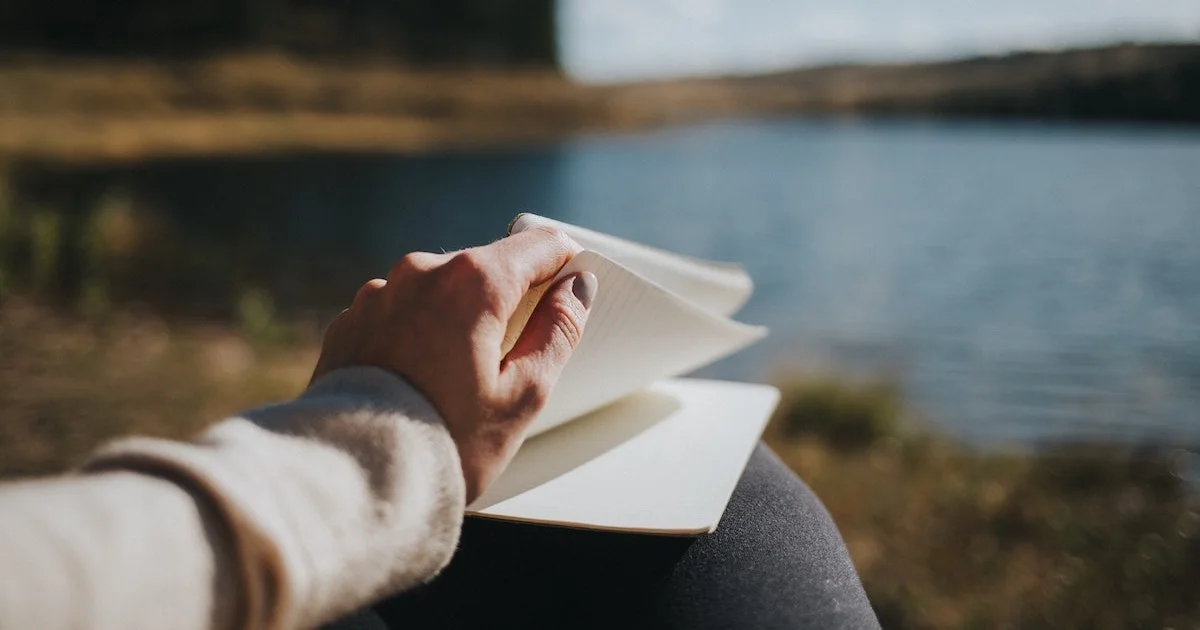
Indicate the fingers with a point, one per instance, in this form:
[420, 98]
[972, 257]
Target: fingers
[551, 334]
[372, 287]
[534, 255]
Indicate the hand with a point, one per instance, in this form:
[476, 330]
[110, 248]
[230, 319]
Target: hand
[439, 321]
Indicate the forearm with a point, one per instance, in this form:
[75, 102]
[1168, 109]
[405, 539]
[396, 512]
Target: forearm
[109, 551]
[299, 512]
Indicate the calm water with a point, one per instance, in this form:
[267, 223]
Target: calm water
[1024, 282]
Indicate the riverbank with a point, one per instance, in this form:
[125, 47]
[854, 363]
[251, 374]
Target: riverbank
[87, 110]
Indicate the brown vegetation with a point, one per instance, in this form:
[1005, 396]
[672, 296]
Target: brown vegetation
[68, 109]
[949, 537]
[69, 383]
[75, 110]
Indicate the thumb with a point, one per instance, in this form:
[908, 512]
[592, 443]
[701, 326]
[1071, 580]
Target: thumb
[551, 334]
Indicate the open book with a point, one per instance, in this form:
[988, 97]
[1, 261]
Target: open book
[620, 444]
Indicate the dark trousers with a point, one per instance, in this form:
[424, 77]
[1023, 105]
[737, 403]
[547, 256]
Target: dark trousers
[776, 561]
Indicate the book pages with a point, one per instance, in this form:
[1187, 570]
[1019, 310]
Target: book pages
[637, 332]
[720, 288]
[617, 446]
[662, 461]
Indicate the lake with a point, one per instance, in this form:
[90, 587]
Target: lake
[1025, 283]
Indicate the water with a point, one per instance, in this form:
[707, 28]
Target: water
[1026, 283]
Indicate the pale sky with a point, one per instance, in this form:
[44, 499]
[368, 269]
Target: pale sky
[613, 40]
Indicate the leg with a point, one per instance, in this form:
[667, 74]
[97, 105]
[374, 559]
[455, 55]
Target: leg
[775, 561]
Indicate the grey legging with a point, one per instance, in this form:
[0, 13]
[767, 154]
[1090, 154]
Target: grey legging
[776, 561]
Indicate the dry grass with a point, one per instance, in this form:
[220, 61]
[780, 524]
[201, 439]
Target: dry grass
[68, 384]
[72, 110]
[102, 110]
[947, 537]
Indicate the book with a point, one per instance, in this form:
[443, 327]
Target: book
[622, 444]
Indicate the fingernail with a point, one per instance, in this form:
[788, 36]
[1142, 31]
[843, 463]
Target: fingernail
[584, 287]
[519, 223]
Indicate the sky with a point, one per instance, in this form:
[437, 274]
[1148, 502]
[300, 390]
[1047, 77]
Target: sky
[619, 40]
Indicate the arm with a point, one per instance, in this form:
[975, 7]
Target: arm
[291, 515]
[286, 517]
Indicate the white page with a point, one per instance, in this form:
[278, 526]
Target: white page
[720, 288]
[662, 461]
[636, 333]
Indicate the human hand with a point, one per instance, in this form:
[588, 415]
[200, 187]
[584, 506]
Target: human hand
[439, 320]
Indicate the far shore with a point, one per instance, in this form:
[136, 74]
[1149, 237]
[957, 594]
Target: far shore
[97, 110]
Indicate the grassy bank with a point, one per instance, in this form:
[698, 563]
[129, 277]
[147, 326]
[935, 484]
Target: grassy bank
[71, 109]
[1086, 536]
[944, 536]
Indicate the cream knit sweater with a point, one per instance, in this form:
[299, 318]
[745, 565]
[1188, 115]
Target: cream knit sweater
[287, 516]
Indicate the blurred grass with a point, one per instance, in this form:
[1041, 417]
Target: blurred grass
[844, 414]
[1083, 536]
[80, 366]
[7, 231]
[68, 383]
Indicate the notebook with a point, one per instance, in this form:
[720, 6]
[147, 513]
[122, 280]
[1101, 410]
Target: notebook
[622, 445]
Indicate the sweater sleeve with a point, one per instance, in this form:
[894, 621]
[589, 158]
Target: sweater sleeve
[287, 516]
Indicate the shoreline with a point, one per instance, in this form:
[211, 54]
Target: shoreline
[64, 110]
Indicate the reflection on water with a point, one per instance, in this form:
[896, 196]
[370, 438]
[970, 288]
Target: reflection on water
[1026, 282]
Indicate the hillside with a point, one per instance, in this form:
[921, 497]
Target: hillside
[67, 108]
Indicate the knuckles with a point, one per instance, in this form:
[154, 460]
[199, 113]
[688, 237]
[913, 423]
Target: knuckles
[411, 265]
[472, 277]
[561, 240]
[369, 290]
[467, 266]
